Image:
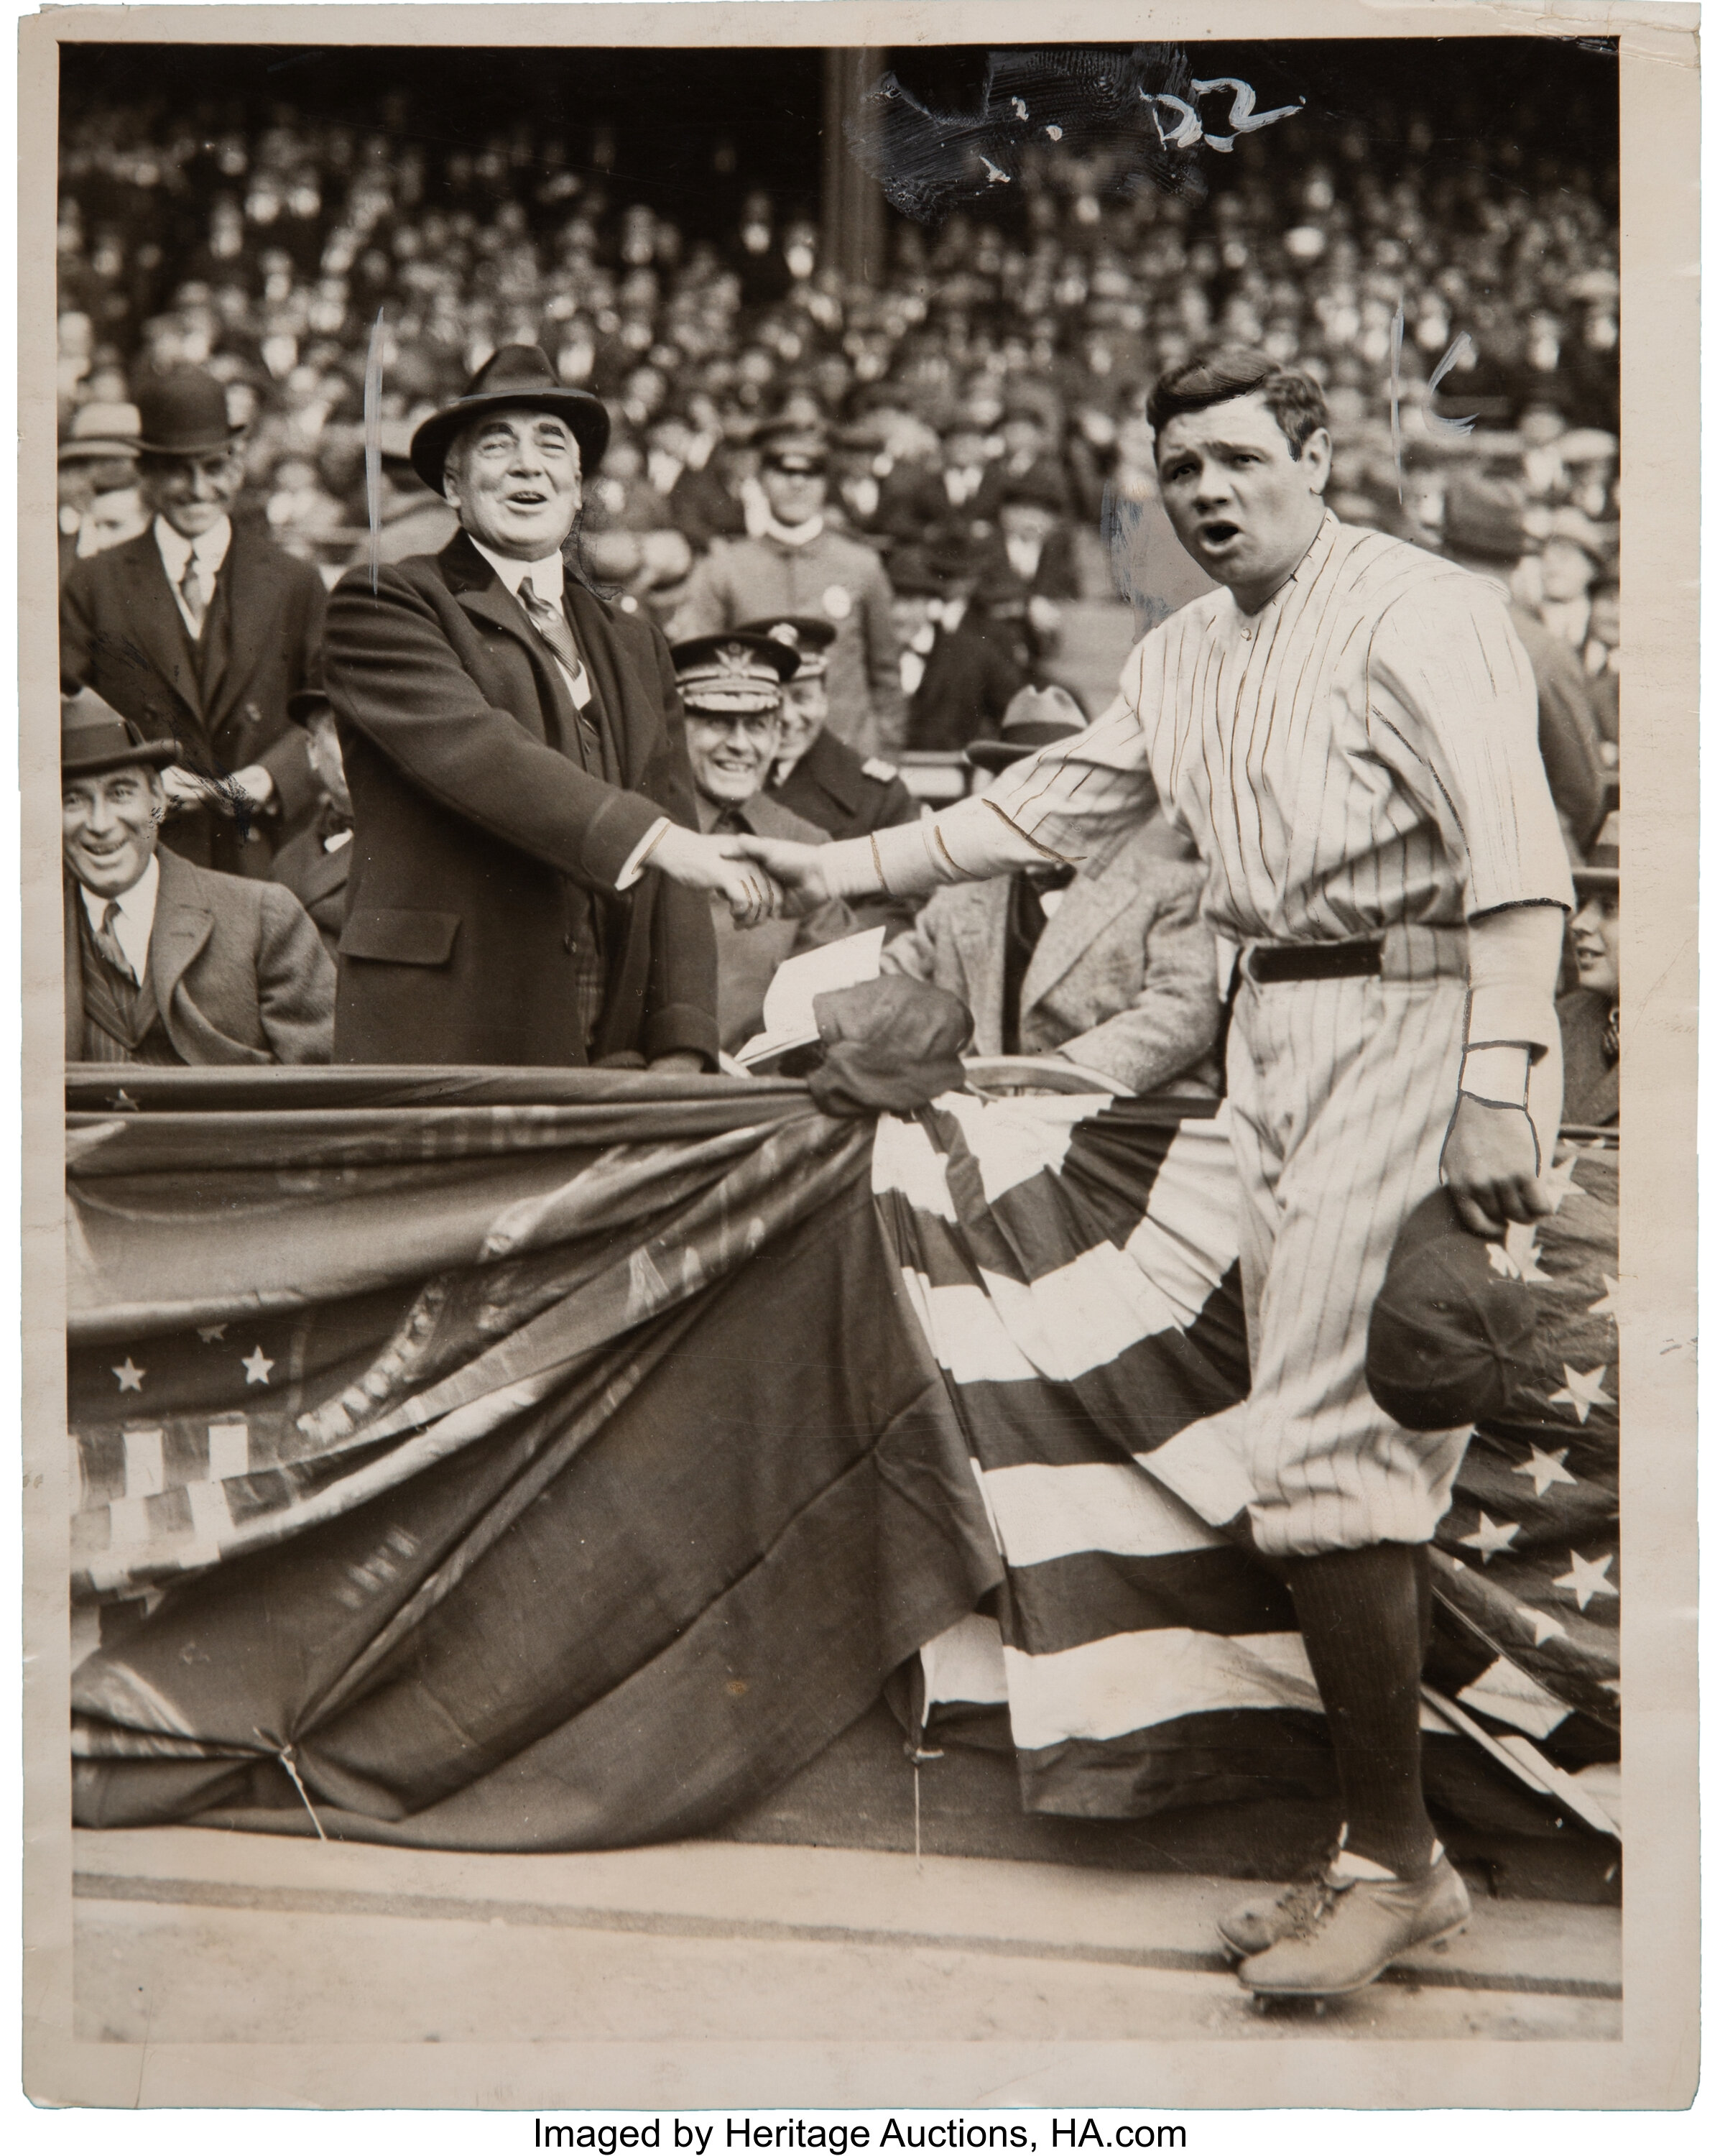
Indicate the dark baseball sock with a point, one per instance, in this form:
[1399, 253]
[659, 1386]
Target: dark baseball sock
[1364, 1615]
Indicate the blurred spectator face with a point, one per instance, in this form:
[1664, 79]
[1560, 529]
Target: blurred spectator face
[192, 494]
[514, 480]
[322, 745]
[1595, 944]
[108, 826]
[1242, 505]
[963, 447]
[1023, 437]
[793, 496]
[1026, 519]
[912, 612]
[1604, 616]
[111, 520]
[1566, 571]
[732, 752]
[805, 705]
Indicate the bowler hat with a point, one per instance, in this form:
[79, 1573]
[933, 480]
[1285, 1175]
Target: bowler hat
[184, 414]
[519, 376]
[1033, 719]
[808, 639]
[733, 671]
[93, 738]
[1483, 521]
[101, 431]
[1448, 1335]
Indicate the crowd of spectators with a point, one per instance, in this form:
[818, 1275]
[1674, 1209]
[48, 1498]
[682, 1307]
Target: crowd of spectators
[973, 411]
[1012, 343]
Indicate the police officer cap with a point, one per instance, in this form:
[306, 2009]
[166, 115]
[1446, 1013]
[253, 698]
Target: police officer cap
[810, 639]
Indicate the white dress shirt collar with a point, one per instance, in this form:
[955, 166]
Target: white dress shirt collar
[549, 576]
[177, 550]
[137, 916]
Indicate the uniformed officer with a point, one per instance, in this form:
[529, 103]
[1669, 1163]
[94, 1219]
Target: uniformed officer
[798, 565]
[821, 778]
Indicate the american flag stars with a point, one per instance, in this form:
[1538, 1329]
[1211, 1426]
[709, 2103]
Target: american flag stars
[1546, 1468]
[129, 1376]
[1587, 1578]
[1608, 1306]
[1491, 1537]
[257, 1366]
[1581, 1391]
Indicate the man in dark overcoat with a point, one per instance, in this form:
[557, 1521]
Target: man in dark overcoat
[528, 885]
[198, 631]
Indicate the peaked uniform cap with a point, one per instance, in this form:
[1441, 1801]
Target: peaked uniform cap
[184, 414]
[733, 671]
[519, 376]
[807, 638]
[93, 738]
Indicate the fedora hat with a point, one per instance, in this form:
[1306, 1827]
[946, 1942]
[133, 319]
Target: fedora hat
[1599, 870]
[1033, 719]
[93, 738]
[1484, 520]
[184, 414]
[519, 376]
[100, 431]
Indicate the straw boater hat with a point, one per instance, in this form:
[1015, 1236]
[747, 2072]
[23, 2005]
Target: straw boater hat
[1033, 719]
[732, 673]
[519, 376]
[99, 432]
[93, 738]
[184, 414]
[809, 639]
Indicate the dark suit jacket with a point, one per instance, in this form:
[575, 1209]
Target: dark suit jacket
[122, 633]
[468, 821]
[316, 877]
[965, 691]
[239, 972]
[1591, 1083]
[849, 795]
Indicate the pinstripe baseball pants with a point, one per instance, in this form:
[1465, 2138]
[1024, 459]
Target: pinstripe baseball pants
[1341, 1094]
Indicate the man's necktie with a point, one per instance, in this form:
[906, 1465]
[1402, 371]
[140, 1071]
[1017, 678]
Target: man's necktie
[551, 624]
[192, 593]
[107, 942]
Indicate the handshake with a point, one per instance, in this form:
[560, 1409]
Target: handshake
[760, 878]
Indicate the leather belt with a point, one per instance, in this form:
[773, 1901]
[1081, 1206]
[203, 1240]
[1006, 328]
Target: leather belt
[1267, 962]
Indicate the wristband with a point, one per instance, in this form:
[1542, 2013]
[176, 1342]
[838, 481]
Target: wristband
[1496, 1072]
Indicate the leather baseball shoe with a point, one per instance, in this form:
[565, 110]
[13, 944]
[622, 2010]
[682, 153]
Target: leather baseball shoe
[1343, 1937]
[1260, 1923]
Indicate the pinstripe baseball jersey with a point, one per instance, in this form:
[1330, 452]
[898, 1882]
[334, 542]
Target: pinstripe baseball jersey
[1360, 753]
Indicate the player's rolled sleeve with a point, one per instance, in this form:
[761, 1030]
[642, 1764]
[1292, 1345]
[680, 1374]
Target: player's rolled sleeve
[1451, 708]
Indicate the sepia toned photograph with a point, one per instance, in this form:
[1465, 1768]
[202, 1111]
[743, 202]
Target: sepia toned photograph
[827, 1190]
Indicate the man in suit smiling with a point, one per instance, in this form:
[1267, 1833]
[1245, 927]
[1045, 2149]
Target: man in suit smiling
[528, 884]
[198, 631]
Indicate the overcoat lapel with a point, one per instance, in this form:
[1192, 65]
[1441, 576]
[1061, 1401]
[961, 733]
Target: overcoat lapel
[154, 621]
[1090, 904]
[252, 600]
[182, 927]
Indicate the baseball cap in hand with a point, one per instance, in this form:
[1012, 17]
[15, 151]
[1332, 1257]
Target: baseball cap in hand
[1447, 1334]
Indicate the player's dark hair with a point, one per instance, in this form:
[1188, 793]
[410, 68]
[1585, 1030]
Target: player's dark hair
[1213, 378]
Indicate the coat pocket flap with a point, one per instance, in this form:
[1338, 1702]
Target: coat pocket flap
[404, 937]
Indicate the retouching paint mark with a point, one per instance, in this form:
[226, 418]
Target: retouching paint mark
[373, 445]
[1460, 348]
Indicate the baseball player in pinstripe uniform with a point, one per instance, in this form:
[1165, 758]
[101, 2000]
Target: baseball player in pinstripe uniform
[1346, 729]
